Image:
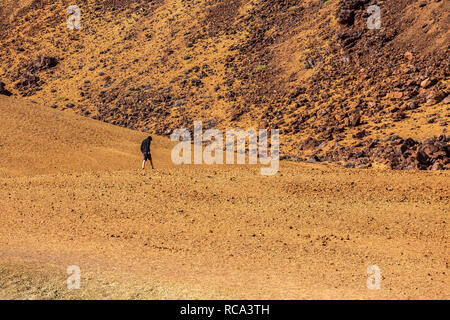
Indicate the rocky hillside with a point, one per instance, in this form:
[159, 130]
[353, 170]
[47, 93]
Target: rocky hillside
[337, 90]
[35, 140]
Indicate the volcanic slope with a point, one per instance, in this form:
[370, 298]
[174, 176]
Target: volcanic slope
[36, 140]
[310, 68]
[72, 193]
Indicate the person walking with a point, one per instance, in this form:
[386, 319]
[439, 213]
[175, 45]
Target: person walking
[145, 149]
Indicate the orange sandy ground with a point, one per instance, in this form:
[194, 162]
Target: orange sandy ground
[71, 193]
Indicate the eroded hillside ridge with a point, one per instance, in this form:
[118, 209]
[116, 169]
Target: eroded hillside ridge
[336, 90]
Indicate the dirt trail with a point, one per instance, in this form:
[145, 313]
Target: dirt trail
[311, 231]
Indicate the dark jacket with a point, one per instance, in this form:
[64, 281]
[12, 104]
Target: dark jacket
[145, 146]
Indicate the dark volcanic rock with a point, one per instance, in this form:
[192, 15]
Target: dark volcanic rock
[309, 144]
[347, 10]
[3, 90]
[397, 153]
[42, 63]
[27, 81]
